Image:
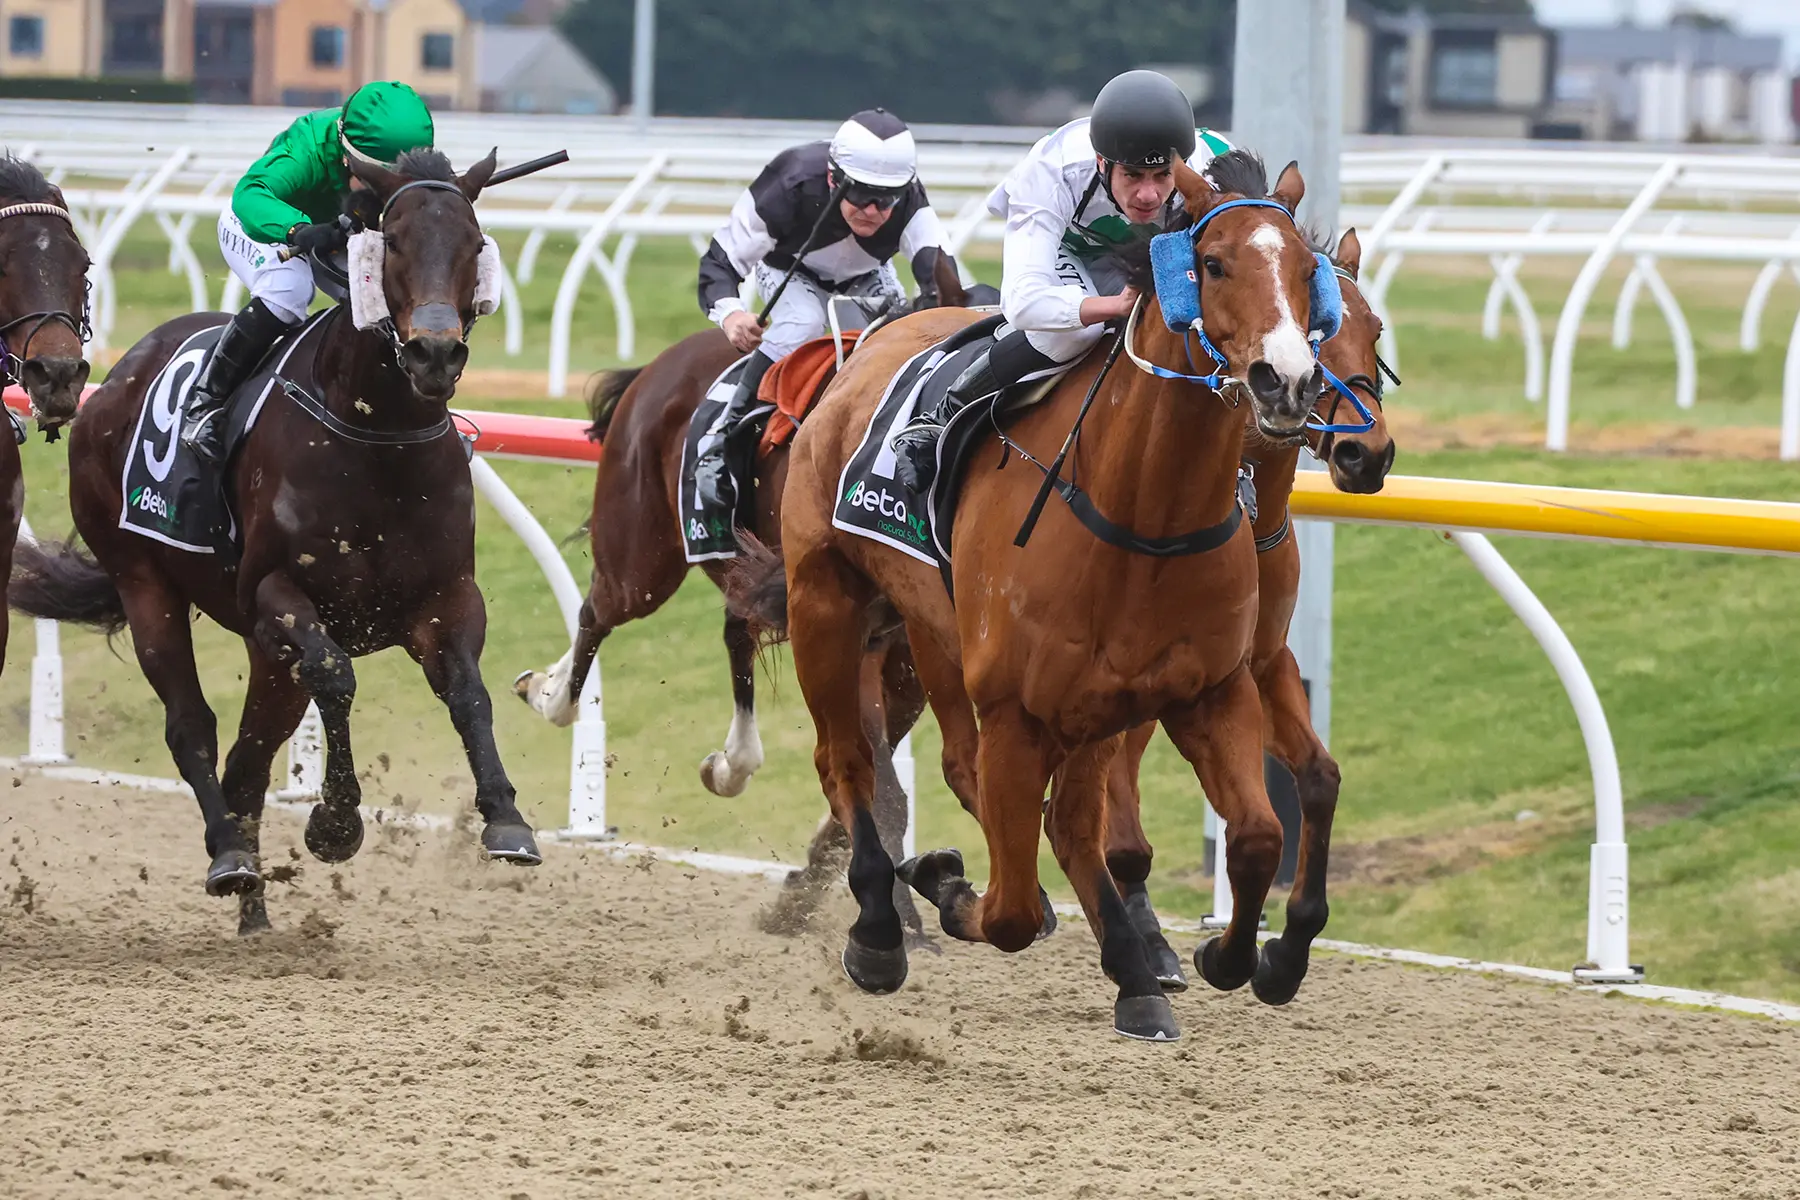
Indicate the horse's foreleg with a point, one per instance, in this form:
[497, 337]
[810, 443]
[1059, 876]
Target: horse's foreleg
[165, 651]
[1293, 741]
[273, 705]
[1012, 771]
[1076, 820]
[1129, 854]
[1222, 736]
[446, 641]
[289, 631]
[727, 772]
[825, 625]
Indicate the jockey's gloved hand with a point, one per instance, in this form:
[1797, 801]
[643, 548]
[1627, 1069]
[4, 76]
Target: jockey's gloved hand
[323, 237]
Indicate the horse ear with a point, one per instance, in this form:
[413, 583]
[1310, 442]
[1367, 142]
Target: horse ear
[475, 178]
[1197, 191]
[381, 181]
[1349, 252]
[1290, 189]
[949, 284]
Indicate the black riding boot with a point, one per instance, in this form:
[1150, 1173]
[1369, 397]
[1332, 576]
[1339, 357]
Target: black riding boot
[712, 471]
[246, 339]
[997, 368]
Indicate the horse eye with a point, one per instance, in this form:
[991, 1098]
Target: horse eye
[1214, 269]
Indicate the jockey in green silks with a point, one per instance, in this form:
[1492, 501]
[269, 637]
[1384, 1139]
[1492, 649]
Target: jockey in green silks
[292, 196]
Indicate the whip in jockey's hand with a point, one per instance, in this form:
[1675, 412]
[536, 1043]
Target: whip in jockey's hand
[293, 196]
[1092, 187]
[820, 223]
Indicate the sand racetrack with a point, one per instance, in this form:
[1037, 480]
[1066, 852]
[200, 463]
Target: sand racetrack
[421, 1024]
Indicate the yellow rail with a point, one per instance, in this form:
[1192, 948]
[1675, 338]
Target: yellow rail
[1691, 522]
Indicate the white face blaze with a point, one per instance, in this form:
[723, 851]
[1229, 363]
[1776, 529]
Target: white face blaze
[1285, 347]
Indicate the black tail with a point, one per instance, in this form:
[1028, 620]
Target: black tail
[756, 589]
[603, 391]
[60, 581]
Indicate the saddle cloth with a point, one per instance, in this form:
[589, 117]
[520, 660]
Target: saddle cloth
[872, 503]
[170, 495]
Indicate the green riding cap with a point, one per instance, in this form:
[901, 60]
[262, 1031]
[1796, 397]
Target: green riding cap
[301, 179]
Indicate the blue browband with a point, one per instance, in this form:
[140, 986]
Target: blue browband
[1178, 293]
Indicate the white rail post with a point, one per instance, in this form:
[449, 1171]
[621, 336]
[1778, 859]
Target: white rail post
[1609, 908]
[305, 757]
[587, 751]
[45, 744]
[1568, 325]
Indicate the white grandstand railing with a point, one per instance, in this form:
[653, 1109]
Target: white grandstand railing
[174, 164]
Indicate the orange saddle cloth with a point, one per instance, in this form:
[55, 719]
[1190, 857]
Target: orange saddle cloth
[794, 383]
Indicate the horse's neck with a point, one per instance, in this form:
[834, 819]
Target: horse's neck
[1273, 468]
[1162, 457]
[360, 381]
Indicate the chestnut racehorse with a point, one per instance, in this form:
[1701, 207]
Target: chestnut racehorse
[1069, 641]
[43, 322]
[358, 533]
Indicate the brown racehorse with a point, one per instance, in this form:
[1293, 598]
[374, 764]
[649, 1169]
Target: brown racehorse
[43, 321]
[1066, 643]
[1358, 461]
[358, 533]
[642, 415]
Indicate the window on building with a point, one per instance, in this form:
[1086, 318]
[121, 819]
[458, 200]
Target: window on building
[328, 46]
[1465, 69]
[437, 51]
[25, 37]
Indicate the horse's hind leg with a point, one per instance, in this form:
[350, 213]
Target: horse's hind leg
[1077, 815]
[1129, 853]
[727, 772]
[1284, 958]
[288, 630]
[825, 618]
[165, 650]
[1222, 736]
[446, 640]
[273, 706]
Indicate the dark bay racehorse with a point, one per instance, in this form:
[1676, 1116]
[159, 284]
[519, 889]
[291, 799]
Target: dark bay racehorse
[43, 322]
[358, 533]
[639, 560]
[1068, 642]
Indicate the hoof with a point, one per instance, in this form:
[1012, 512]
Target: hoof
[334, 834]
[233, 873]
[1145, 1019]
[1049, 925]
[716, 776]
[1206, 958]
[927, 874]
[1279, 971]
[253, 916]
[1167, 964]
[511, 843]
[878, 972]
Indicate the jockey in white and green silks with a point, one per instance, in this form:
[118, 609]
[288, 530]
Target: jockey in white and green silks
[1084, 192]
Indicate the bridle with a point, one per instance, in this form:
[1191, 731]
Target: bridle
[12, 364]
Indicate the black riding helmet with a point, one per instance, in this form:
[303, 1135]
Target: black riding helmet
[1141, 119]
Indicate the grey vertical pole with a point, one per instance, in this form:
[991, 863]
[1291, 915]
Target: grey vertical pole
[643, 65]
[1287, 104]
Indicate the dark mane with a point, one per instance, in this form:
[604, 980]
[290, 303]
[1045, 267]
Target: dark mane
[426, 164]
[24, 183]
[1241, 172]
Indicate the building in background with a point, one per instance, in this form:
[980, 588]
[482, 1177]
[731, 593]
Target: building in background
[1446, 74]
[1688, 81]
[534, 69]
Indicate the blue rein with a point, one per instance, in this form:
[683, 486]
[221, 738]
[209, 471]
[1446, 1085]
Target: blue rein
[1178, 290]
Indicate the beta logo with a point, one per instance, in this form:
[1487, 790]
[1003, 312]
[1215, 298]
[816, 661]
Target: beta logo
[152, 502]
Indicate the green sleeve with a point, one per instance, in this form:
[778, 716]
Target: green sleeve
[298, 169]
